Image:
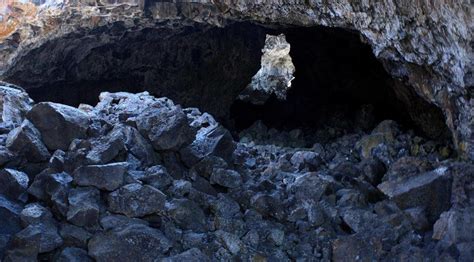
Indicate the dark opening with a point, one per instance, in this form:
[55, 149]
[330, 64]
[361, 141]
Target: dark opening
[339, 83]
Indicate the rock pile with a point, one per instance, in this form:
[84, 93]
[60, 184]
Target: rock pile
[138, 178]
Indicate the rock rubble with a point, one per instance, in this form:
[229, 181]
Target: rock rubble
[140, 178]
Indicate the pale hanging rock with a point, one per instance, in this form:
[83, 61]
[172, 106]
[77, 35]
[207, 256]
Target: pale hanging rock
[275, 74]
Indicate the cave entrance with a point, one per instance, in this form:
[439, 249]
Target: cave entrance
[339, 84]
[338, 81]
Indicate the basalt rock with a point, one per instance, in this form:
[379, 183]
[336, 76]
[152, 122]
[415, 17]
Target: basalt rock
[226, 200]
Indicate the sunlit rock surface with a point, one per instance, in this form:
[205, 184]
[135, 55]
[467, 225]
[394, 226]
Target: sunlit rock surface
[275, 74]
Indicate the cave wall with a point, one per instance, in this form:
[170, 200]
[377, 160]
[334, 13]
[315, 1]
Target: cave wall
[426, 45]
[196, 65]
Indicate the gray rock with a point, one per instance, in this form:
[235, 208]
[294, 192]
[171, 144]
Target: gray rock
[113, 221]
[226, 178]
[158, 177]
[133, 242]
[14, 104]
[211, 139]
[14, 184]
[9, 221]
[431, 191]
[41, 238]
[166, 127]
[187, 214]
[84, 206]
[191, 255]
[25, 140]
[74, 236]
[34, 214]
[230, 241]
[106, 148]
[58, 124]
[138, 146]
[57, 188]
[455, 226]
[135, 200]
[105, 177]
[306, 160]
[73, 254]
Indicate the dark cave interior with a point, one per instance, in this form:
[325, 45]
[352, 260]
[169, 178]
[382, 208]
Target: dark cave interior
[338, 81]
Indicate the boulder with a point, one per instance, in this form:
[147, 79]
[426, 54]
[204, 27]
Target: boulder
[132, 242]
[158, 177]
[455, 226]
[306, 160]
[73, 254]
[58, 124]
[14, 104]
[74, 236]
[226, 178]
[166, 127]
[9, 221]
[431, 191]
[39, 238]
[34, 214]
[187, 214]
[105, 149]
[84, 206]
[135, 200]
[25, 140]
[105, 177]
[211, 139]
[14, 184]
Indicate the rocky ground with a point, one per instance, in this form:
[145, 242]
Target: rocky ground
[138, 178]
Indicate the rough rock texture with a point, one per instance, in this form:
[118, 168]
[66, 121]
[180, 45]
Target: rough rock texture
[275, 74]
[427, 44]
[215, 199]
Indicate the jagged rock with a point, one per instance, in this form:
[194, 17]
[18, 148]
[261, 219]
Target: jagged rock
[84, 206]
[191, 255]
[226, 178]
[57, 188]
[58, 124]
[105, 149]
[275, 74]
[135, 200]
[73, 254]
[431, 190]
[25, 140]
[129, 242]
[187, 214]
[39, 238]
[230, 241]
[166, 127]
[455, 226]
[105, 177]
[74, 236]
[10, 221]
[211, 139]
[14, 104]
[139, 146]
[34, 214]
[113, 221]
[306, 159]
[311, 186]
[157, 177]
[14, 184]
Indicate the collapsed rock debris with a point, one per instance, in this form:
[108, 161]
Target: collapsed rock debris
[139, 178]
